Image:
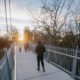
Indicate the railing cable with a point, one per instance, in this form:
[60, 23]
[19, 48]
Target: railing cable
[6, 15]
[10, 12]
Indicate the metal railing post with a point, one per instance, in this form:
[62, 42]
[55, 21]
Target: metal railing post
[74, 65]
[48, 53]
[8, 68]
[12, 54]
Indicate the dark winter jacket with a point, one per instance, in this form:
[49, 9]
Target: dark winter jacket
[40, 49]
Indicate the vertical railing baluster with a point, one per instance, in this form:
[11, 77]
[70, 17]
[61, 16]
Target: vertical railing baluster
[48, 55]
[74, 65]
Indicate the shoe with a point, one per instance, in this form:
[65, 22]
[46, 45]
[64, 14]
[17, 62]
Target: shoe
[38, 69]
[43, 70]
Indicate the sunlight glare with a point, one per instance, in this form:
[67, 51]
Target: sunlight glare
[21, 38]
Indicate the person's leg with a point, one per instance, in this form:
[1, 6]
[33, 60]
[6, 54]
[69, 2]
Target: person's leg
[20, 49]
[42, 62]
[38, 63]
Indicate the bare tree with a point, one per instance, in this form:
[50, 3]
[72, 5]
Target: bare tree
[76, 19]
[13, 33]
[53, 17]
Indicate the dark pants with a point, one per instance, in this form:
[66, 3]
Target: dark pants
[40, 59]
[20, 49]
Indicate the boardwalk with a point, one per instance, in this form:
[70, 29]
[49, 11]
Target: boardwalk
[26, 67]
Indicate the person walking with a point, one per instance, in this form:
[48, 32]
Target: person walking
[26, 46]
[20, 46]
[40, 49]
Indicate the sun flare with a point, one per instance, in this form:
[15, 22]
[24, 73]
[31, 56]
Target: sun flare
[21, 38]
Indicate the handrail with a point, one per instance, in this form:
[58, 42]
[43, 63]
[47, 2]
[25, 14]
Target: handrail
[1, 66]
[4, 58]
[6, 65]
[64, 54]
[73, 63]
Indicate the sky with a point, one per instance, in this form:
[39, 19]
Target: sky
[20, 13]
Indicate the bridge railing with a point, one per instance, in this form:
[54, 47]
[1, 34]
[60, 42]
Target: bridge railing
[6, 65]
[63, 59]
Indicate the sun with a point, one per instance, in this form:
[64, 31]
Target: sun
[21, 38]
